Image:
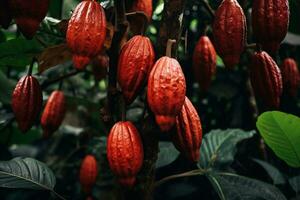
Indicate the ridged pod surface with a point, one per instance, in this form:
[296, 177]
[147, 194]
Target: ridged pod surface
[125, 152]
[28, 15]
[229, 30]
[27, 102]
[204, 62]
[5, 15]
[100, 66]
[88, 173]
[166, 91]
[270, 20]
[144, 6]
[54, 113]
[188, 137]
[86, 32]
[135, 63]
[290, 76]
[266, 79]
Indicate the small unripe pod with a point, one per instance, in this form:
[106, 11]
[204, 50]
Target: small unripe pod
[290, 76]
[88, 173]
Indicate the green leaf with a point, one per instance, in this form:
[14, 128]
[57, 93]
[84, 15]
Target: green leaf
[273, 172]
[219, 147]
[280, 131]
[232, 186]
[26, 173]
[295, 183]
[167, 154]
[6, 88]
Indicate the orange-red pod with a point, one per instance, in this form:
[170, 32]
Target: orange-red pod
[125, 152]
[143, 6]
[54, 113]
[135, 63]
[28, 15]
[5, 15]
[27, 102]
[266, 79]
[270, 21]
[88, 173]
[86, 32]
[204, 62]
[229, 30]
[166, 91]
[100, 66]
[290, 76]
[188, 137]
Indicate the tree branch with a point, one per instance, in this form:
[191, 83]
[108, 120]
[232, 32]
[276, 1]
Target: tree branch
[58, 79]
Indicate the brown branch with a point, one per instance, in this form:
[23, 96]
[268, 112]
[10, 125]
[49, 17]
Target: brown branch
[58, 79]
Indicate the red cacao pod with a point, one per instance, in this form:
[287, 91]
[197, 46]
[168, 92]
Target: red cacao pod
[27, 102]
[290, 76]
[5, 15]
[188, 137]
[204, 62]
[86, 32]
[100, 66]
[166, 91]
[54, 113]
[143, 6]
[266, 79]
[28, 15]
[125, 152]
[135, 63]
[229, 30]
[88, 173]
[270, 20]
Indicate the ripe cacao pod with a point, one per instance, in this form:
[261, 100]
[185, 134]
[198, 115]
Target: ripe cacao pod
[88, 173]
[125, 152]
[143, 6]
[229, 30]
[188, 137]
[135, 63]
[5, 15]
[204, 62]
[28, 15]
[86, 32]
[166, 91]
[27, 102]
[270, 20]
[290, 76]
[266, 79]
[100, 66]
[54, 113]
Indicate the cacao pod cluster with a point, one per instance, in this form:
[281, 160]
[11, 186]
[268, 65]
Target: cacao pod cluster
[86, 32]
[54, 113]
[88, 173]
[27, 14]
[290, 76]
[27, 102]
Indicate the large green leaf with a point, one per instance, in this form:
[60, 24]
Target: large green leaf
[26, 173]
[281, 132]
[219, 147]
[167, 154]
[235, 187]
[295, 183]
[273, 172]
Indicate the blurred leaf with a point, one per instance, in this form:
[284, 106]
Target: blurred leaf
[107, 3]
[55, 8]
[273, 172]
[280, 131]
[13, 135]
[232, 186]
[295, 183]
[26, 173]
[167, 154]
[53, 56]
[219, 147]
[18, 52]
[6, 88]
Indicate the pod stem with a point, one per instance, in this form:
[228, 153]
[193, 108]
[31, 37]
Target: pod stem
[123, 109]
[34, 60]
[169, 47]
[61, 83]
[145, 20]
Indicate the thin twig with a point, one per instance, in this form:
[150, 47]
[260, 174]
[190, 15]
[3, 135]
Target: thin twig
[58, 79]
[208, 8]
